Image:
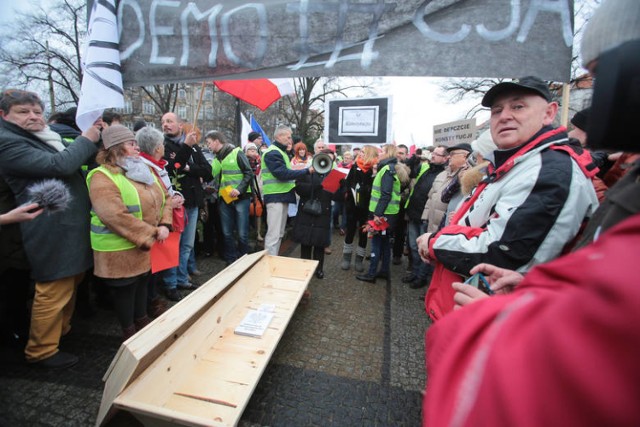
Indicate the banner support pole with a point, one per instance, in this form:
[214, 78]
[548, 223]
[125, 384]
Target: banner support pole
[564, 117]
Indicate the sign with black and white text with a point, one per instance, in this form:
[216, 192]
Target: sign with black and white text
[454, 133]
[358, 121]
[164, 41]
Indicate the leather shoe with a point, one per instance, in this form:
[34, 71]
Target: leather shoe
[173, 295]
[366, 278]
[382, 275]
[418, 283]
[409, 278]
[320, 274]
[196, 273]
[60, 360]
[187, 286]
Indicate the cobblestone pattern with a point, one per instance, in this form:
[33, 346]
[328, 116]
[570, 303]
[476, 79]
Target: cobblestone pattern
[354, 355]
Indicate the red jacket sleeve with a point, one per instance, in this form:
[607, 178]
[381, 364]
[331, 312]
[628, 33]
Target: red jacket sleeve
[563, 349]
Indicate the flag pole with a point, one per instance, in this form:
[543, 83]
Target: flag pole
[195, 117]
[564, 116]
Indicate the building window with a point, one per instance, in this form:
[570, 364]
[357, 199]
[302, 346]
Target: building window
[182, 112]
[208, 112]
[148, 108]
[128, 108]
[182, 94]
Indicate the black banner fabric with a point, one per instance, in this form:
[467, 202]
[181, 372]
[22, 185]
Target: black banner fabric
[163, 41]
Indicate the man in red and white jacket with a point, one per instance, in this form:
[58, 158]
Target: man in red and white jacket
[536, 197]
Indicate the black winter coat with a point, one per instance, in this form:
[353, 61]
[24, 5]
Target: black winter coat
[308, 229]
[56, 244]
[361, 180]
[190, 181]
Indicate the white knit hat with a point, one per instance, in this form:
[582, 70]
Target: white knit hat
[613, 23]
[484, 144]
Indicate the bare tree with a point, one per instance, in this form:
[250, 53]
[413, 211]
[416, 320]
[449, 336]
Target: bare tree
[42, 49]
[305, 109]
[466, 88]
[164, 96]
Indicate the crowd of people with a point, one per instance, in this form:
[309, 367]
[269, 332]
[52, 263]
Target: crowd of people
[529, 205]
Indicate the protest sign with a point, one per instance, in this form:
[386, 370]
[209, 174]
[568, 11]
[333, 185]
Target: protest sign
[454, 133]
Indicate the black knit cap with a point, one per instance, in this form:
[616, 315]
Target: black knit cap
[253, 136]
[529, 83]
[581, 119]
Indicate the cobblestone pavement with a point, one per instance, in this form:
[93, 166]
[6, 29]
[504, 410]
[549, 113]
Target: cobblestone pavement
[354, 355]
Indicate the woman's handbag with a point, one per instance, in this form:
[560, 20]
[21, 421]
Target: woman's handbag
[178, 219]
[255, 208]
[312, 207]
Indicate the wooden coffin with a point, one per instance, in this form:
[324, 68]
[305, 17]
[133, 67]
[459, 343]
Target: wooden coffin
[188, 367]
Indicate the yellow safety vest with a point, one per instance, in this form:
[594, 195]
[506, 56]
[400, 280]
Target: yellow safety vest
[102, 238]
[229, 170]
[394, 204]
[271, 184]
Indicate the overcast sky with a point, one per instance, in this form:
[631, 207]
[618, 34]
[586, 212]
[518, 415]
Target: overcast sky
[418, 104]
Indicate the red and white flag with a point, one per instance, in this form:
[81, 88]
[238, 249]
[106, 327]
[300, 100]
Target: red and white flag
[260, 93]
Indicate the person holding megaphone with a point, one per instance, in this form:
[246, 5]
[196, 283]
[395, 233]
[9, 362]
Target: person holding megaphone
[278, 182]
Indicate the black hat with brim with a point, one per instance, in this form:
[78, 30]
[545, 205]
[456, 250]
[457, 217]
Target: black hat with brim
[529, 83]
[462, 146]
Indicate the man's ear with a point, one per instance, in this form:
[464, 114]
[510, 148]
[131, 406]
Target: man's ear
[550, 113]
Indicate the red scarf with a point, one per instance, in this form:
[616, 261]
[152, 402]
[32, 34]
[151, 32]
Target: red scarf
[160, 163]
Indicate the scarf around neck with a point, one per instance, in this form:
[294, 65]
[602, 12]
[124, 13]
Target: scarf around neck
[135, 169]
[50, 138]
[364, 166]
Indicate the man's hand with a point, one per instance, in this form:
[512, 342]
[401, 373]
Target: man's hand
[311, 169]
[466, 294]
[502, 281]
[234, 193]
[93, 133]
[423, 247]
[191, 139]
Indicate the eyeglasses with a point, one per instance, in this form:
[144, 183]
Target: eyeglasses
[439, 155]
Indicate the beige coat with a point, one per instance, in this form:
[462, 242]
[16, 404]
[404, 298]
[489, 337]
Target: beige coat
[108, 205]
[435, 209]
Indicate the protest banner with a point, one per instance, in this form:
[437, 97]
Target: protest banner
[181, 40]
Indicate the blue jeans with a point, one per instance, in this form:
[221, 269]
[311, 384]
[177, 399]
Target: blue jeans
[180, 274]
[415, 228]
[191, 264]
[380, 251]
[235, 217]
[338, 210]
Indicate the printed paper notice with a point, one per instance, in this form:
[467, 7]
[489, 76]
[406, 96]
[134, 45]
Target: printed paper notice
[256, 321]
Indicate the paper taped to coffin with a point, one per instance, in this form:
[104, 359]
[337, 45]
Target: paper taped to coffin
[188, 367]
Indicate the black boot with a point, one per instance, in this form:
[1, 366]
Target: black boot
[384, 275]
[366, 277]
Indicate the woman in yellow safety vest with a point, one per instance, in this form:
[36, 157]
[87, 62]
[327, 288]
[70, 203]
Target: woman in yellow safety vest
[383, 212]
[129, 214]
